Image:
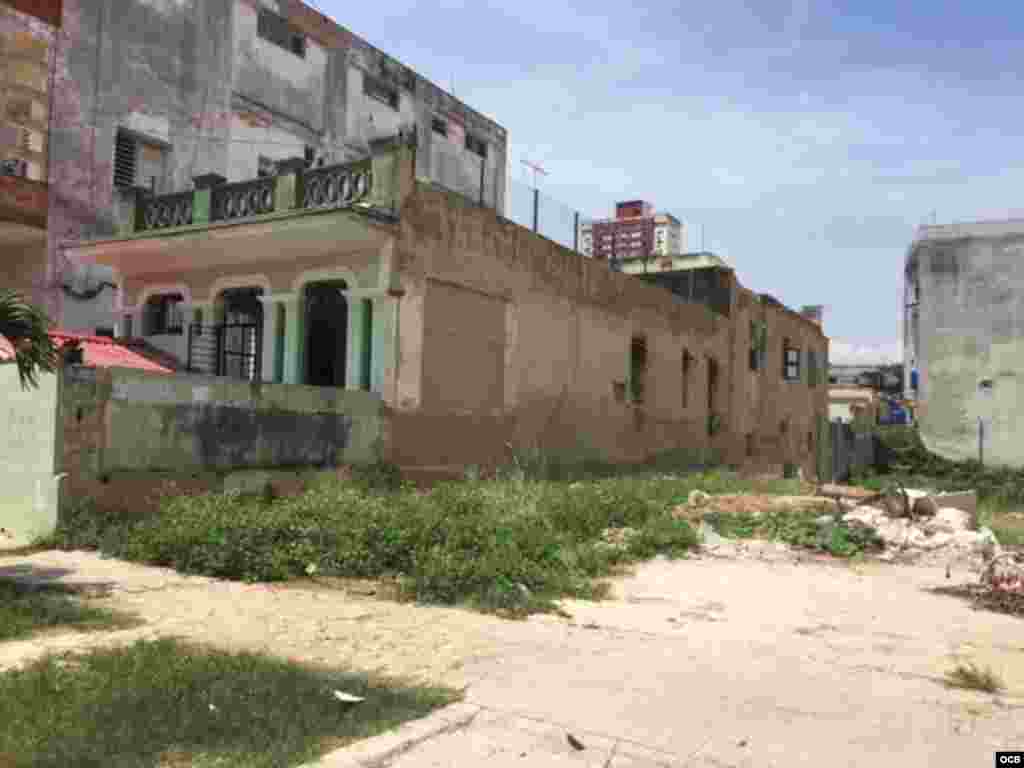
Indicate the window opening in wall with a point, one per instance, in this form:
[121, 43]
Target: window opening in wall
[379, 91]
[784, 427]
[751, 445]
[790, 361]
[637, 368]
[366, 366]
[137, 162]
[439, 125]
[163, 314]
[276, 29]
[687, 366]
[810, 442]
[126, 152]
[714, 418]
[476, 145]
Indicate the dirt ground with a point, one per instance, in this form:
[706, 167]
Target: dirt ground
[764, 657]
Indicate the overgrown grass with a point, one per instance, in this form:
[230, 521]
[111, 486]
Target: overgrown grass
[971, 677]
[512, 546]
[166, 703]
[25, 610]
[799, 528]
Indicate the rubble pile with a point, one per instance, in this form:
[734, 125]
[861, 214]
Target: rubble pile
[925, 529]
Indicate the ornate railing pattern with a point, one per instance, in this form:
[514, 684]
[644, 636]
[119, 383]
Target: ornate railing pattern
[166, 211]
[244, 198]
[336, 185]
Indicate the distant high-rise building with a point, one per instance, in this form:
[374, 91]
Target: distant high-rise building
[636, 231]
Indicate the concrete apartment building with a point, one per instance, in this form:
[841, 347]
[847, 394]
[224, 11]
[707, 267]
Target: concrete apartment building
[964, 336]
[152, 93]
[635, 232]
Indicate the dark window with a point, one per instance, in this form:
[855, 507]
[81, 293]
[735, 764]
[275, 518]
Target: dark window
[310, 155]
[439, 125]
[379, 91]
[366, 367]
[163, 314]
[790, 362]
[687, 366]
[277, 30]
[751, 445]
[637, 368]
[126, 158]
[476, 145]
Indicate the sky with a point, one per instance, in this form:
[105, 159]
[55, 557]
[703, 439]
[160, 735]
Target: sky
[804, 141]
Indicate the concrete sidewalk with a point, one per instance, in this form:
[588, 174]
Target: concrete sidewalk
[710, 662]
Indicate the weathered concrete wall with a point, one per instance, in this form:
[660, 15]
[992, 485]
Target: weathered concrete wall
[553, 374]
[28, 481]
[194, 77]
[971, 329]
[159, 67]
[133, 431]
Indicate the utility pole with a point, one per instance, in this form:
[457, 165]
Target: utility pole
[537, 168]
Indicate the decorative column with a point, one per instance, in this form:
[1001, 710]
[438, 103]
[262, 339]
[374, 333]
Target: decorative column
[271, 334]
[294, 338]
[373, 321]
[359, 326]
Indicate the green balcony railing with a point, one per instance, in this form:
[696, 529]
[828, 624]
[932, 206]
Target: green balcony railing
[293, 188]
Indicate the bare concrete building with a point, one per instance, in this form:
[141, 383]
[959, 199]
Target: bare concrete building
[152, 93]
[964, 336]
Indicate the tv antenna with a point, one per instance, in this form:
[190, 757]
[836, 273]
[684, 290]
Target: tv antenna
[536, 168]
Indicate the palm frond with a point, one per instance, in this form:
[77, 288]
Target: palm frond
[26, 326]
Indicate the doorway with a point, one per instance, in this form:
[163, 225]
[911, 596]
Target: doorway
[326, 313]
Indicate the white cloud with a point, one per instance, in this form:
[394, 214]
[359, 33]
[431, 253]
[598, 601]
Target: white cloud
[847, 353]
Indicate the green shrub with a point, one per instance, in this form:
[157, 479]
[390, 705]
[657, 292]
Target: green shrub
[662, 534]
[513, 545]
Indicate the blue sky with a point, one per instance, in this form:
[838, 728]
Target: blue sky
[808, 139]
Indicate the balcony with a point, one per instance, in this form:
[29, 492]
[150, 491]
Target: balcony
[294, 190]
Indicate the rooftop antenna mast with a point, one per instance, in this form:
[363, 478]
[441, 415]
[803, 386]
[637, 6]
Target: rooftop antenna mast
[537, 168]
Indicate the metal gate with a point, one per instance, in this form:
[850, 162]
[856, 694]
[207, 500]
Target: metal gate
[234, 350]
[852, 451]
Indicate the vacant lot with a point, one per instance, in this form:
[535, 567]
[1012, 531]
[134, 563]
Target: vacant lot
[756, 660]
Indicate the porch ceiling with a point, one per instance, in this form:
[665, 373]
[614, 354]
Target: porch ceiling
[301, 237]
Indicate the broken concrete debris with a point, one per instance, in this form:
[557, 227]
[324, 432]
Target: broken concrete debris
[919, 527]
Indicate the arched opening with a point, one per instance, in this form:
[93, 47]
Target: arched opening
[326, 322]
[241, 333]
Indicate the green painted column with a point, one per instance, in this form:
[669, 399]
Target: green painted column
[294, 340]
[355, 342]
[268, 362]
[383, 354]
